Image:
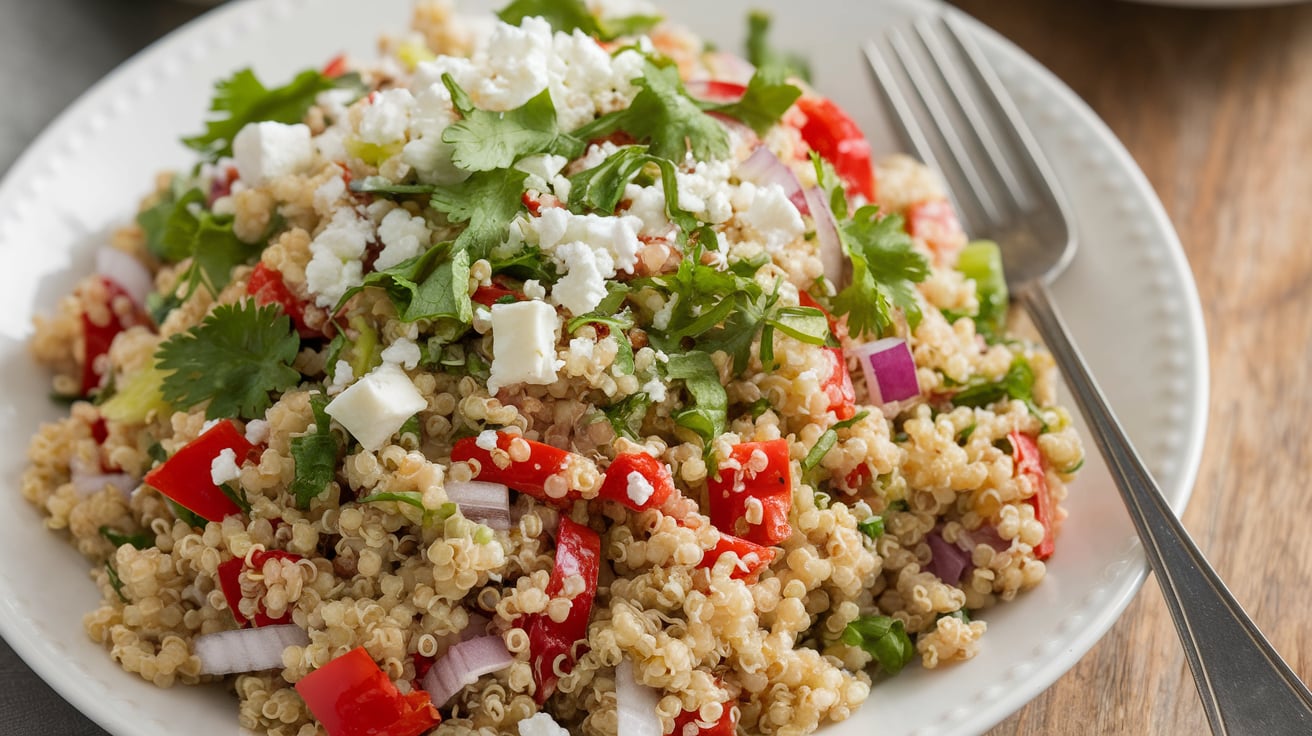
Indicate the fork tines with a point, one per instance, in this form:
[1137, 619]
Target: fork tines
[951, 109]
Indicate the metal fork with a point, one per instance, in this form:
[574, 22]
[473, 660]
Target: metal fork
[952, 110]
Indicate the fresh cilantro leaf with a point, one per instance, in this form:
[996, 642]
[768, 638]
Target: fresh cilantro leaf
[884, 638]
[180, 227]
[484, 140]
[416, 499]
[762, 56]
[664, 116]
[315, 456]
[488, 201]
[216, 250]
[627, 415]
[707, 409]
[382, 185]
[234, 359]
[601, 188]
[766, 100]
[571, 15]
[242, 99]
[760, 406]
[115, 581]
[872, 527]
[185, 515]
[524, 264]
[1017, 383]
[165, 223]
[885, 268]
[160, 305]
[118, 539]
[807, 324]
[443, 294]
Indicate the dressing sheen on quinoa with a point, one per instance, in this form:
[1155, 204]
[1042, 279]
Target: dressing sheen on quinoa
[553, 373]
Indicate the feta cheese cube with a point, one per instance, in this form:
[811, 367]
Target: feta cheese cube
[541, 724]
[404, 352]
[639, 489]
[268, 150]
[523, 344]
[374, 408]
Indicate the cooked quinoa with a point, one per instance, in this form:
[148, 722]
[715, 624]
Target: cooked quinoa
[383, 292]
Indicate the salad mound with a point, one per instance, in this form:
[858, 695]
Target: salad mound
[555, 372]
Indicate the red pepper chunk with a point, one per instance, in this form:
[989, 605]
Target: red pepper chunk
[527, 476]
[935, 222]
[1029, 462]
[685, 724]
[830, 132]
[578, 554]
[267, 286]
[753, 558]
[352, 696]
[335, 67]
[732, 492]
[838, 386]
[96, 338]
[620, 486]
[230, 584]
[489, 295]
[185, 477]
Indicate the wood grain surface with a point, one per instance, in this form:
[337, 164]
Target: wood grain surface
[1216, 107]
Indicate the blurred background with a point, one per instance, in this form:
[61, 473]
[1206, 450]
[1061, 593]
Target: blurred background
[1215, 105]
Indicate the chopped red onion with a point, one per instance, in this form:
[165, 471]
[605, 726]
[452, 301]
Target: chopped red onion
[247, 650]
[463, 664]
[889, 369]
[832, 257]
[986, 534]
[88, 480]
[125, 271]
[477, 627]
[763, 168]
[729, 67]
[487, 503]
[947, 561]
[635, 704]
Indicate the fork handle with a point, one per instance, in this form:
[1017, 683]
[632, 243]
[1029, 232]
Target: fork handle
[1245, 686]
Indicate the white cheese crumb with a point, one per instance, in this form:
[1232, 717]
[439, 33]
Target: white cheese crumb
[541, 724]
[335, 257]
[404, 236]
[704, 191]
[639, 488]
[376, 406]
[384, 121]
[403, 352]
[533, 289]
[774, 217]
[328, 195]
[257, 431]
[523, 344]
[487, 440]
[224, 468]
[583, 286]
[541, 170]
[655, 390]
[268, 150]
[343, 376]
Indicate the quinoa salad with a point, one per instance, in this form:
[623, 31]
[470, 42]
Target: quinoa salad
[556, 371]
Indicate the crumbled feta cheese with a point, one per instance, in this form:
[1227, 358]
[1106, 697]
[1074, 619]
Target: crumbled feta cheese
[541, 170]
[655, 390]
[515, 63]
[404, 236]
[533, 289]
[224, 468]
[582, 348]
[661, 319]
[639, 488]
[583, 286]
[596, 155]
[486, 440]
[648, 205]
[386, 118]
[257, 431]
[376, 406]
[541, 724]
[329, 195]
[774, 217]
[335, 257]
[426, 152]
[704, 191]
[403, 352]
[523, 344]
[343, 376]
[265, 151]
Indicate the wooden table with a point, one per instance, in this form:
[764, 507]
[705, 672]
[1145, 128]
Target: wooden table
[1216, 107]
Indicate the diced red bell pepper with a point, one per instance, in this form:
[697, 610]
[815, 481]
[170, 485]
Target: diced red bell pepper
[96, 338]
[529, 476]
[621, 487]
[230, 584]
[489, 295]
[268, 287]
[335, 67]
[714, 90]
[1029, 462]
[754, 557]
[578, 553]
[935, 222]
[838, 386]
[685, 724]
[185, 477]
[352, 696]
[730, 492]
[830, 132]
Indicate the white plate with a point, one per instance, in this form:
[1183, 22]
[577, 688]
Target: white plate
[1129, 298]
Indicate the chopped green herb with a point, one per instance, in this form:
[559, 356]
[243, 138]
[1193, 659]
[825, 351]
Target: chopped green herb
[897, 505]
[762, 56]
[426, 287]
[885, 268]
[234, 359]
[115, 581]
[822, 446]
[1017, 383]
[416, 499]
[488, 201]
[707, 408]
[381, 185]
[872, 527]
[118, 539]
[627, 414]
[411, 433]
[764, 102]
[179, 227]
[981, 261]
[526, 263]
[961, 614]
[156, 453]
[664, 116]
[571, 15]
[185, 515]
[760, 406]
[315, 456]
[852, 422]
[884, 638]
[484, 140]
[242, 99]
[964, 435]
